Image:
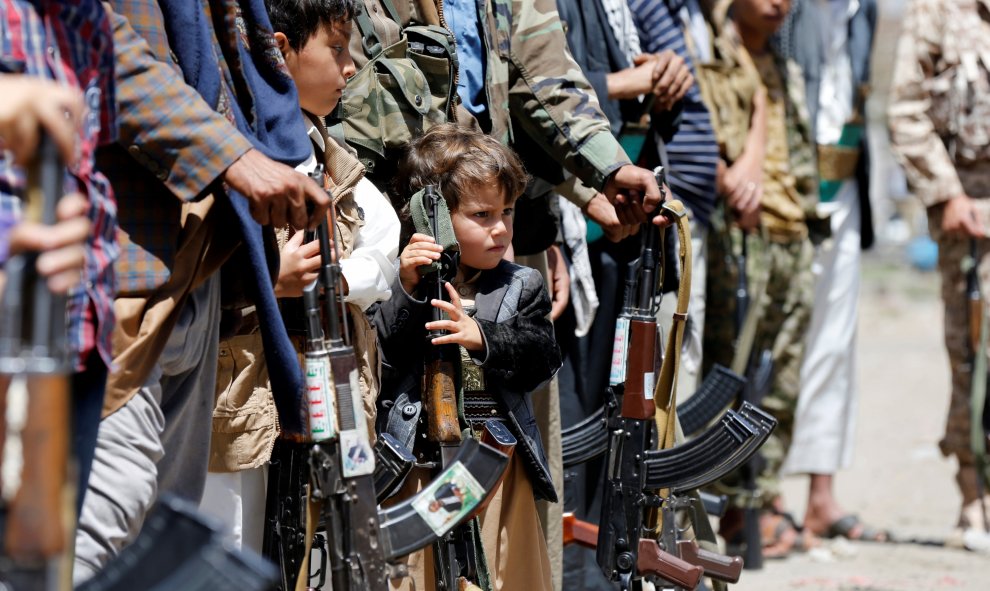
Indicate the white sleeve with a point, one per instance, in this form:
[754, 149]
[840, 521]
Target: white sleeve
[370, 269]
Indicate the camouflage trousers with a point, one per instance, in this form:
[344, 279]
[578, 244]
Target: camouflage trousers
[952, 250]
[784, 317]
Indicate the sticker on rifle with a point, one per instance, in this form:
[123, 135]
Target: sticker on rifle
[617, 371]
[648, 384]
[357, 458]
[322, 417]
[449, 498]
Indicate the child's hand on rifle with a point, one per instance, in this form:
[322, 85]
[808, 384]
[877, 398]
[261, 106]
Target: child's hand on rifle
[298, 266]
[461, 328]
[421, 250]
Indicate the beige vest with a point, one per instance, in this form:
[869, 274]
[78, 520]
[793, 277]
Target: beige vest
[245, 423]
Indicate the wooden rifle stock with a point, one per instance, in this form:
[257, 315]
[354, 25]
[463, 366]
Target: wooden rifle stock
[974, 298]
[650, 558]
[439, 385]
[36, 525]
[441, 401]
[576, 531]
[32, 344]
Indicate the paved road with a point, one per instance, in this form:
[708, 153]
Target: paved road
[899, 479]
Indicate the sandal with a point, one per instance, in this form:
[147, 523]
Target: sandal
[845, 526]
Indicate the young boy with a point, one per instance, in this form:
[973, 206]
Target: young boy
[313, 38]
[498, 315]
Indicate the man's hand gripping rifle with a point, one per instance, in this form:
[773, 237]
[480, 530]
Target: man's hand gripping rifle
[620, 547]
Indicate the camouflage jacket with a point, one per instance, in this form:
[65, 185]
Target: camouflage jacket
[728, 85]
[939, 113]
[534, 85]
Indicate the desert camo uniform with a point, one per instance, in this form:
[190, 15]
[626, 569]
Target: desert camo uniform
[939, 119]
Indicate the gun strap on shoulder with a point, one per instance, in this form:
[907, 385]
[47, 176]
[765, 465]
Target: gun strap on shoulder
[665, 392]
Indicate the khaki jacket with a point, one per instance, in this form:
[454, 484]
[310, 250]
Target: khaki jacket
[245, 423]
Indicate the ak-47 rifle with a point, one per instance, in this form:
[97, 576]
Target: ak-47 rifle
[37, 496]
[759, 372]
[631, 432]
[180, 548]
[456, 563]
[333, 464]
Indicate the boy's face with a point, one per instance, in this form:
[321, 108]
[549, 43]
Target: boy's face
[765, 16]
[483, 226]
[321, 67]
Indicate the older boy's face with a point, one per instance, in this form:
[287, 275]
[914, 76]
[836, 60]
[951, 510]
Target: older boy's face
[483, 226]
[321, 68]
[765, 16]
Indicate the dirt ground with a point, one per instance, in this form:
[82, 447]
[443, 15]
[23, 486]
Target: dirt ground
[899, 480]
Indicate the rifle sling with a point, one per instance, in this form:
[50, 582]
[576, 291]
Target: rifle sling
[665, 392]
[314, 508]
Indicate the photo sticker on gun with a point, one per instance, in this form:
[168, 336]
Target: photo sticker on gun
[449, 498]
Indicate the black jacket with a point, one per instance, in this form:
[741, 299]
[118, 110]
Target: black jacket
[512, 308]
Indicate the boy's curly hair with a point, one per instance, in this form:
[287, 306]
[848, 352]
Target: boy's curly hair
[457, 161]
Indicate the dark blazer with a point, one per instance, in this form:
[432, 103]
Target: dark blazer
[512, 308]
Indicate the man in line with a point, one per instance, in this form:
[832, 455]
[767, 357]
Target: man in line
[191, 158]
[939, 120]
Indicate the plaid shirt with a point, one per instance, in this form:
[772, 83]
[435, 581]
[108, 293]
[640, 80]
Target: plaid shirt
[172, 147]
[69, 41]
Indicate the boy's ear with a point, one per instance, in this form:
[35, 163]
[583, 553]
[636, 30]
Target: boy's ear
[283, 42]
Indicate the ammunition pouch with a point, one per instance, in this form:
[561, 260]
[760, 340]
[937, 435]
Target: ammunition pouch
[403, 90]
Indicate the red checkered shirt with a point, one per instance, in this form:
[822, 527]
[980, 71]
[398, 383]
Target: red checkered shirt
[69, 41]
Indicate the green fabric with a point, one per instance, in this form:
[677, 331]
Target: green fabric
[852, 133]
[419, 210]
[594, 231]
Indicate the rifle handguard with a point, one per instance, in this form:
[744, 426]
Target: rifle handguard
[441, 402]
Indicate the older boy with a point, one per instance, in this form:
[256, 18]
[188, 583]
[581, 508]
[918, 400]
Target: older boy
[313, 38]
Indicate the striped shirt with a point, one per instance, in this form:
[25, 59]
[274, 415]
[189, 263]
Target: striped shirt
[69, 41]
[692, 150]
